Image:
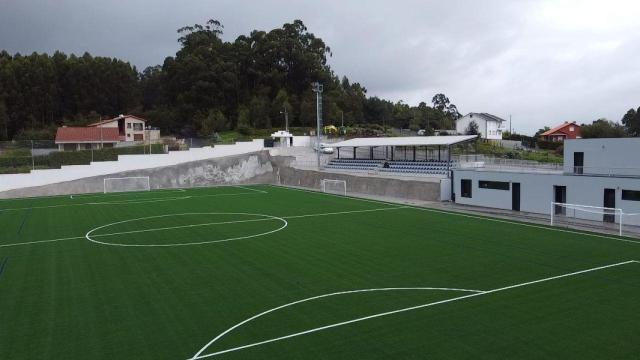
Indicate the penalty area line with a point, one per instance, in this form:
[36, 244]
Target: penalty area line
[198, 356]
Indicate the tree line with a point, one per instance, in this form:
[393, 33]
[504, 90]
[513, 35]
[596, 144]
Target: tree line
[209, 85]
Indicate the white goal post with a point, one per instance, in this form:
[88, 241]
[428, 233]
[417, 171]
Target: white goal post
[125, 184]
[586, 214]
[334, 186]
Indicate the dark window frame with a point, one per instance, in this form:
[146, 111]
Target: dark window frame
[631, 195]
[494, 185]
[463, 193]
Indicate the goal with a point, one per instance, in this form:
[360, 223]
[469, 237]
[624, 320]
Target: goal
[585, 216]
[125, 184]
[330, 186]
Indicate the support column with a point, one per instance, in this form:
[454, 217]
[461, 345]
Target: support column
[392, 153]
[414, 153]
[338, 152]
[354, 152]
[438, 152]
[371, 153]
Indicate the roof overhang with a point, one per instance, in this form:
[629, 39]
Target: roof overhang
[406, 141]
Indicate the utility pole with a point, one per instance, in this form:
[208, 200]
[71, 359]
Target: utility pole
[341, 118]
[317, 88]
[510, 129]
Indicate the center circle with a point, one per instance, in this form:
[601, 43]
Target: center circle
[91, 235]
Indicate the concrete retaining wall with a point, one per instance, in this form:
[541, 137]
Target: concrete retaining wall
[365, 185]
[124, 163]
[253, 168]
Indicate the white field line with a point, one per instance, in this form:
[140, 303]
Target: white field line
[230, 222]
[195, 225]
[197, 355]
[87, 195]
[181, 227]
[41, 241]
[132, 201]
[481, 293]
[125, 202]
[248, 188]
[455, 213]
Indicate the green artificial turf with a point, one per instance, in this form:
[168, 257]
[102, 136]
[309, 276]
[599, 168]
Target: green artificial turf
[151, 296]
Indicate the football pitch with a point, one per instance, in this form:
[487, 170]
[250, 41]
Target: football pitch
[266, 272]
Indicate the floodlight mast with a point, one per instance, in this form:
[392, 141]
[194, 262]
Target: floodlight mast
[317, 88]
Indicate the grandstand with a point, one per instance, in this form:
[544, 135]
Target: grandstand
[426, 167]
[418, 155]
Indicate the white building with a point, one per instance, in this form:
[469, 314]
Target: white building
[489, 126]
[130, 128]
[596, 172]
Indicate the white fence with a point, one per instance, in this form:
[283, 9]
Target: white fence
[124, 163]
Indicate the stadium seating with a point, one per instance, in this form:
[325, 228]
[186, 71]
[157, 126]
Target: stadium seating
[419, 167]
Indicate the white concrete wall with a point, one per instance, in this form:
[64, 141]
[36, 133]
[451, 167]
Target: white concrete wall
[604, 156]
[124, 163]
[537, 192]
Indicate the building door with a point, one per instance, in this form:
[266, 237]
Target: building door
[578, 162]
[515, 196]
[560, 196]
[609, 202]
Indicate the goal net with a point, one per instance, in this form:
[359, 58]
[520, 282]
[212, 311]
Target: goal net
[125, 184]
[586, 217]
[338, 187]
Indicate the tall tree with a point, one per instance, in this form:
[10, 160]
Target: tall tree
[631, 121]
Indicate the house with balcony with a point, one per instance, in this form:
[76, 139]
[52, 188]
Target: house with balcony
[123, 130]
[490, 126]
[596, 172]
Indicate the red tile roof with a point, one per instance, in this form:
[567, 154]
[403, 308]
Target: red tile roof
[86, 134]
[558, 128]
[116, 118]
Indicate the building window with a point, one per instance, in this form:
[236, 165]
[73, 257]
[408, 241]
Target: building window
[137, 127]
[494, 185]
[128, 135]
[128, 125]
[631, 195]
[571, 128]
[465, 188]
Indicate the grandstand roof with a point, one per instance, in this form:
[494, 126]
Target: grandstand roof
[405, 141]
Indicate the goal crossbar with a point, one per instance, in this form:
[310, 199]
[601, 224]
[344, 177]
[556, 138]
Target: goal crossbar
[334, 186]
[589, 212]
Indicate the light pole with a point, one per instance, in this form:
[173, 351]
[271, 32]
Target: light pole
[317, 88]
[286, 119]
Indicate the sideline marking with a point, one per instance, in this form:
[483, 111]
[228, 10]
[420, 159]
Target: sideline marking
[248, 188]
[42, 241]
[3, 265]
[86, 195]
[487, 217]
[199, 356]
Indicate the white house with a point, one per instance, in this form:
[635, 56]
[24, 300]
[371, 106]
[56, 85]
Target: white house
[489, 126]
[130, 128]
[106, 133]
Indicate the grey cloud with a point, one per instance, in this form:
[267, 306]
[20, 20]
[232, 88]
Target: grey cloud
[541, 61]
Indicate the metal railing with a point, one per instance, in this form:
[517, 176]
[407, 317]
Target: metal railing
[604, 171]
[494, 163]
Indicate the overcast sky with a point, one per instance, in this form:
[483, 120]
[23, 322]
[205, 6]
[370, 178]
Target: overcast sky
[543, 62]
